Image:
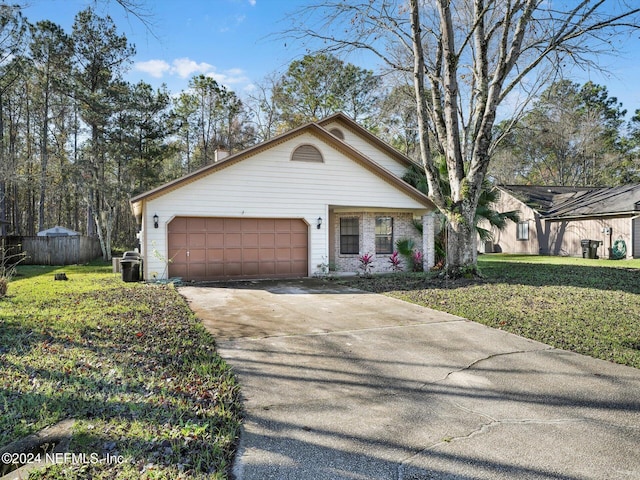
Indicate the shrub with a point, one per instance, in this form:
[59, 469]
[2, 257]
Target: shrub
[394, 260]
[413, 257]
[366, 263]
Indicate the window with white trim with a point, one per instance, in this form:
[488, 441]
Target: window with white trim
[384, 235]
[349, 235]
[523, 231]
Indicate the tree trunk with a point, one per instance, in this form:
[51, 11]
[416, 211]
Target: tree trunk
[462, 247]
[3, 185]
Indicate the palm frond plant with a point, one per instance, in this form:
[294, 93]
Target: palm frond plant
[489, 197]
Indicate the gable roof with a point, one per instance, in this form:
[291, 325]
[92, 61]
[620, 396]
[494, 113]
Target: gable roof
[313, 128]
[568, 202]
[358, 129]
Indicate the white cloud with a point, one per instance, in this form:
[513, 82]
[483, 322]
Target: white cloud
[252, 3]
[155, 68]
[233, 76]
[185, 67]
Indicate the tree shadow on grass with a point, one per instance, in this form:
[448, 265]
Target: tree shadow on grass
[147, 366]
[536, 275]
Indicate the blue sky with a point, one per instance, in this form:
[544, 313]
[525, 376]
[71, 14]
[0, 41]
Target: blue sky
[235, 42]
[231, 40]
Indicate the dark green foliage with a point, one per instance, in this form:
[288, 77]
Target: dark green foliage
[489, 196]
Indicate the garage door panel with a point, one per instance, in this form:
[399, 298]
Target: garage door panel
[283, 240]
[195, 224]
[178, 256]
[233, 269]
[232, 224]
[215, 255]
[197, 271]
[233, 255]
[297, 265]
[237, 248]
[250, 255]
[178, 270]
[299, 239]
[178, 240]
[266, 225]
[283, 268]
[267, 254]
[178, 225]
[215, 270]
[299, 254]
[215, 224]
[197, 240]
[249, 225]
[215, 240]
[197, 255]
[250, 268]
[267, 240]
[283, 254]
[250, 240]
[282, 225]
[232, 239]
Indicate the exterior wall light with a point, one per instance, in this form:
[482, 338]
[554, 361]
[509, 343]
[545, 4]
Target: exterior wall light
[155, 220]
[319, 222]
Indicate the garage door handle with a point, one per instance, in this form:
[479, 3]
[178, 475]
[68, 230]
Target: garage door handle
[187, 253]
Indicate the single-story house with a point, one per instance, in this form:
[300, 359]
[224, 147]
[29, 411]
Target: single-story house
[555, 220]
[314, 198]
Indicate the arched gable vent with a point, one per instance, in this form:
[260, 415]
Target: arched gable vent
[307, 153]
[336, 132]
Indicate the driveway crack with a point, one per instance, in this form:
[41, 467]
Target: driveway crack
[482, 428]
[484, 359]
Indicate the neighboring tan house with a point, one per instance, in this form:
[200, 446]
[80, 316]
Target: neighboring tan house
[555, 220]
[320, 195]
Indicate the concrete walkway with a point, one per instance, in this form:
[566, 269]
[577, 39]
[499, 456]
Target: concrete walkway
[341, 384]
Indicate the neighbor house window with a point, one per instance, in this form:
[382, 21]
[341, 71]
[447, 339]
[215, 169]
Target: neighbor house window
[523, 231]
[384, 235]
[349, 235]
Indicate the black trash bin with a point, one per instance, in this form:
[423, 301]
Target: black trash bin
[130, 266]
[590, 248]
[585, 248]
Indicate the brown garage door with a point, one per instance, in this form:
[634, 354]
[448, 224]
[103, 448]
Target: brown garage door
[218, 248]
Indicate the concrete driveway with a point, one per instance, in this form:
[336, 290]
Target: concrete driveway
[341, 384]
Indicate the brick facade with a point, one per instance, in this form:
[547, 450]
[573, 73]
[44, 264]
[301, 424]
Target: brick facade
[402, 228]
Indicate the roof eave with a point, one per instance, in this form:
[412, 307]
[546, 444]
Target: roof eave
[628, 213]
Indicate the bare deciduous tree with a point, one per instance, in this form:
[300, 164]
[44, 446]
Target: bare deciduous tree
[466, 57]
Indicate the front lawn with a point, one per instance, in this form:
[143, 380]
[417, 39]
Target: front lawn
[586, 306]
[129, 363]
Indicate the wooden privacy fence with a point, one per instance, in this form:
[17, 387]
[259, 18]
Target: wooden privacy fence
[68, 250]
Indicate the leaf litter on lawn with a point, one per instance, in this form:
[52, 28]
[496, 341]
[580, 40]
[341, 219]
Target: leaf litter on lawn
[135, 369]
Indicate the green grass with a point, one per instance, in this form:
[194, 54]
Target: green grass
[590, 307]
[129, 362]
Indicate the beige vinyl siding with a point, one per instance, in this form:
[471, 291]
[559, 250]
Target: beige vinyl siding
[270, 185]
[506, 241]
[558, 237]
[565, 236]
[373, 152]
